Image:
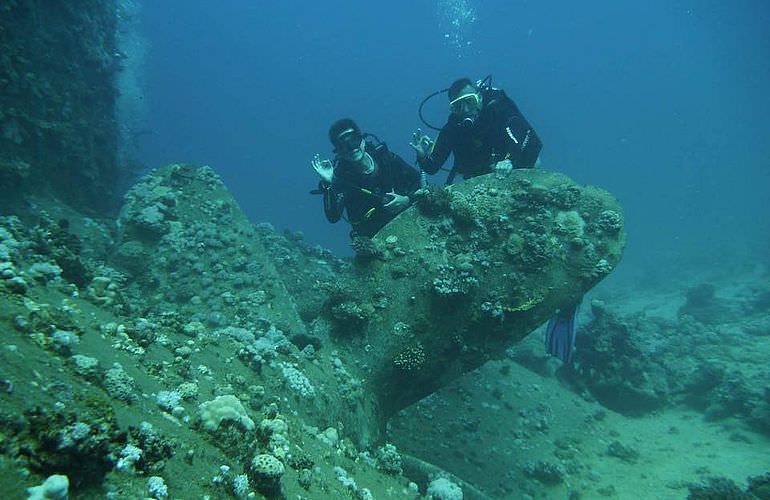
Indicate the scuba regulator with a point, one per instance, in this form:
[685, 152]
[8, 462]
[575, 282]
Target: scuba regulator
[482, 85]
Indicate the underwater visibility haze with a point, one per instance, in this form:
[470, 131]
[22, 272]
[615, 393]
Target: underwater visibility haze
[662, 103]
[180, 320]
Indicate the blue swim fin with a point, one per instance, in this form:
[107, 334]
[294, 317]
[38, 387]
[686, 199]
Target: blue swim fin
[560, 333]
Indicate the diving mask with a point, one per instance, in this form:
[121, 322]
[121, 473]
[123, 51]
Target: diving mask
[349, 140]
[465, 104]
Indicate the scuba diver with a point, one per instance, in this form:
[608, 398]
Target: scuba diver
[365, 180]
[485, 131]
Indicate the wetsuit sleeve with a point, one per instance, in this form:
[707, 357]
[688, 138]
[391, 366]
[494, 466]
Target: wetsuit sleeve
[522, 143]
[441, 149]
[334, 201]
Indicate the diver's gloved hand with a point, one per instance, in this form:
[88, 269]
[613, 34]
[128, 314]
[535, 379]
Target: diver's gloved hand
[503, 168]
[398, 203]
[422, 144]
[324, 168]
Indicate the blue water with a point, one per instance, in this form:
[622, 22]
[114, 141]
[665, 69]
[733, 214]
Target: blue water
[664, 103]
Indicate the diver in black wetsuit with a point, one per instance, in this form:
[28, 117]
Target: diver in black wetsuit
[367, 181]
[485, 131]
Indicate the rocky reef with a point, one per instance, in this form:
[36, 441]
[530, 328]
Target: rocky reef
[477, 267]
[636, 364]
[656, 404]
[187, 348]
[58, 129]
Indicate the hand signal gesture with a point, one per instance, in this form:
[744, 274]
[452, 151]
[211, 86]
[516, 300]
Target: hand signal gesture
[324, 168]
[422, 144]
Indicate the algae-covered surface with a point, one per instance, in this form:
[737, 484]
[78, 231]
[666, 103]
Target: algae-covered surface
[58, 62]
[157, 369]
[676, 409]
[161, 345]
[514, 432]
[471, 269]
[179, 351]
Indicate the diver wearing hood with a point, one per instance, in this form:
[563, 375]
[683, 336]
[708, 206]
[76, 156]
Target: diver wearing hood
[485, 131]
